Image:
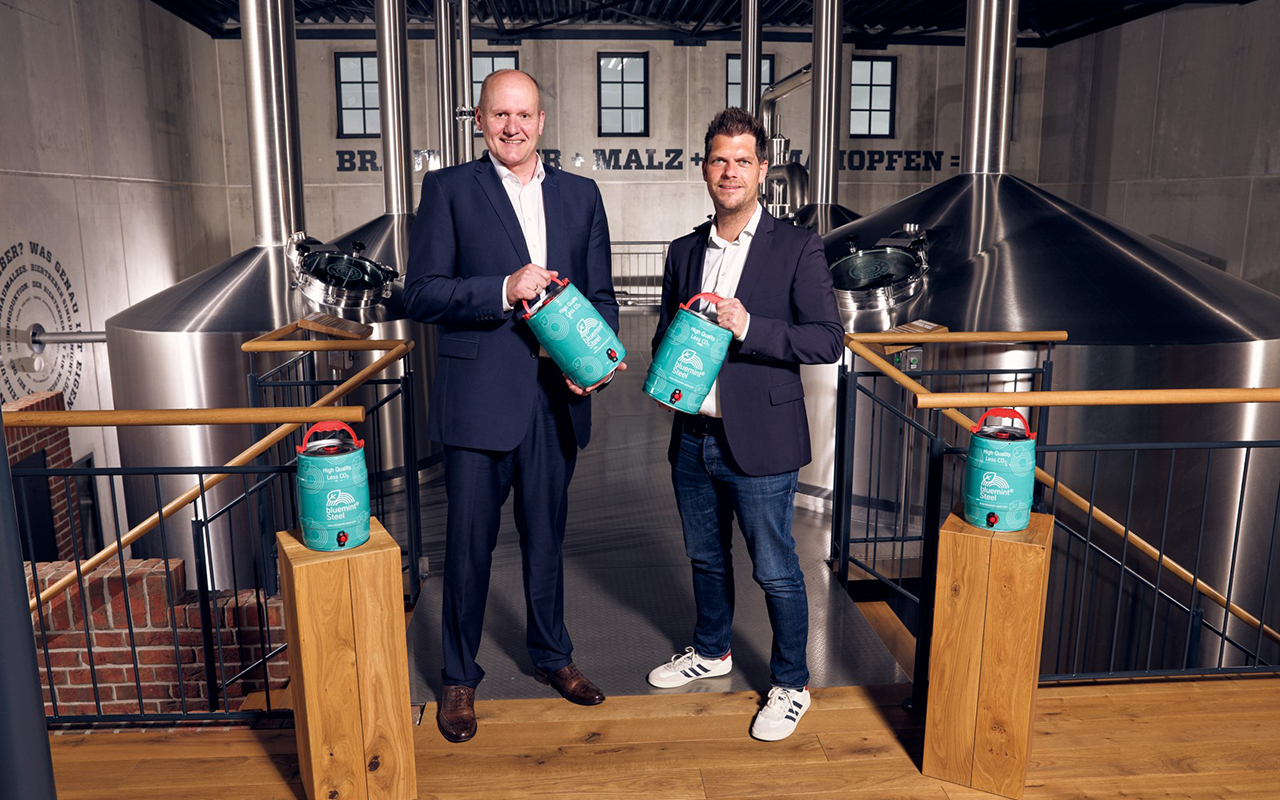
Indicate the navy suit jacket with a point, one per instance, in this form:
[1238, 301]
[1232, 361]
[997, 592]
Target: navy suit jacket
[466, 239]
[786, 288]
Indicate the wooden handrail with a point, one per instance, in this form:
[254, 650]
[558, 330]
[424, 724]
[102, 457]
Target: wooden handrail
[308, 345]
[121, 418]
[401, 349]
[1101, 397]
[1073, 497]
[991, 337]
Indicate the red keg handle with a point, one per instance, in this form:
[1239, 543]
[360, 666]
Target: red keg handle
[331, 425]
[1003, 413]
[563, 283]
[712, 296]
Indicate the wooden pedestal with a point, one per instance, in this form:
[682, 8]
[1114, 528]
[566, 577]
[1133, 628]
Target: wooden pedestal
[984, 661]
[349, 668]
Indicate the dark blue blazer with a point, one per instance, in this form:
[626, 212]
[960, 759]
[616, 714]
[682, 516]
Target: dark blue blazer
[466, 239]
[786, 288]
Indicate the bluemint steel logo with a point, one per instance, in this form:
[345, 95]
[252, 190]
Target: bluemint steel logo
[36, 293]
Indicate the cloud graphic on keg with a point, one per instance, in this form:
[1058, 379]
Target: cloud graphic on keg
[338, 497]
[689, 359]
[995, 481]
[586, 326]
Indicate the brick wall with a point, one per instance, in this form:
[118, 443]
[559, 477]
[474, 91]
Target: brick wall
[56, 444]
[170, 652]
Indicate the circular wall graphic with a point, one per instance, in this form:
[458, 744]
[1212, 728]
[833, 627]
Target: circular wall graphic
[35, 290]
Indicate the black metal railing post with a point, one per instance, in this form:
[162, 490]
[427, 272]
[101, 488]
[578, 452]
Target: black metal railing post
[413, 511]
[842, 495]
[928, 571]
[206, 612]
[25, 760]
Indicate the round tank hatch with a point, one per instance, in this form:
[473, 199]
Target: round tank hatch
[347, 281]
[876, 280]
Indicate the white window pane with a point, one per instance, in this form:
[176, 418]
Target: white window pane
[481, 66]
[610, 121]
[371, 69]
[634, 121]
[372, 122]
[880, 97]
[882, 73]
[348, 69]
[504, 62]
[475, 90]
[634, 69]
[610, 95]
[859, 123]
[610, 68]
[879, 123]
[371, 95]
[735, 69]
[733, 96]
[633, 95]
[860, 97]
[352, 122]
[352, 95]
[861, 71]
[766, 73]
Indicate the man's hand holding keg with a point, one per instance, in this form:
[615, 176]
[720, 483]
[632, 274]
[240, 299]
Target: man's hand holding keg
[527, 283]
[731, 315]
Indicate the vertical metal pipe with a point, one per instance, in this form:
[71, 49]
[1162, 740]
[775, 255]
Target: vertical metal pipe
[24, 741]
[392, 21]
[445, 104]
[751, 56]
[466, 108]
[271, 92]
[990, 39]
[828, 29]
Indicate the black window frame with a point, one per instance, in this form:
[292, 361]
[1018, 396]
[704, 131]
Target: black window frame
[773, 70]
[475, 89]
[893, 97]
[600, 109]
[337, 88]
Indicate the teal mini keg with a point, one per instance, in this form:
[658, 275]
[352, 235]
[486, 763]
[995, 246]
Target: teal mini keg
[1000, 474]
[333, 489]
[688, 359]
[574, 334]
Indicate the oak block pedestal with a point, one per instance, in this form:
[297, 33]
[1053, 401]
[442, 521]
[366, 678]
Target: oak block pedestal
[984, 661]
[349, 668]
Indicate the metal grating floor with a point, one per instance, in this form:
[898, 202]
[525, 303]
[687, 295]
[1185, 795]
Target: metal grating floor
[628, 595]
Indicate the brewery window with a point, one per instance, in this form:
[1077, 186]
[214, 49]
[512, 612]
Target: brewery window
[357, 78]
[482, 64]
[733, 78]
[871, 96]
[622, 94]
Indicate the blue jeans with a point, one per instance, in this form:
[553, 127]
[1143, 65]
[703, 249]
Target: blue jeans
[710, 492]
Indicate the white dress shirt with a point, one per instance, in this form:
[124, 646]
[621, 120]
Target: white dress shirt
[721, 272]
[526, 200]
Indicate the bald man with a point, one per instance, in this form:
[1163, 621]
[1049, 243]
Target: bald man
[489, 235]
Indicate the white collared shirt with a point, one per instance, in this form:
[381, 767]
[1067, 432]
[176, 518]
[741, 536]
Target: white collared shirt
[721, 272]
[526, 201]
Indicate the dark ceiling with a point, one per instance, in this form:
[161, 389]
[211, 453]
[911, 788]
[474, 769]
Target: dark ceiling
[869, 23]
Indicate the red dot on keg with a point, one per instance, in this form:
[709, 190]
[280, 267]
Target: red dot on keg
[342, 538]
[992, 519]
[613, 356]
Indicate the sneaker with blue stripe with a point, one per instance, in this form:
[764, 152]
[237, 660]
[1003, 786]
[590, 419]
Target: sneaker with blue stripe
[781, 713]
[690, 666]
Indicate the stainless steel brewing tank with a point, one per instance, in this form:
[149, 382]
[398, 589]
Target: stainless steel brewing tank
[1005, 255]
[386, 241]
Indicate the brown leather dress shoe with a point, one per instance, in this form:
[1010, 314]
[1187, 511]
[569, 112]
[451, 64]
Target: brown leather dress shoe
[571, 683]
[456, 715]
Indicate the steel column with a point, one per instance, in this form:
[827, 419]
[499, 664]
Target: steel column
[828, 27]
[465, 112]
[750, 100]
[392, 23]
[990, 39]
[445, 103]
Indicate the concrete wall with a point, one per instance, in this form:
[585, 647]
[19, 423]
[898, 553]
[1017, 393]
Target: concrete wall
[112, 178]
[1167, 126]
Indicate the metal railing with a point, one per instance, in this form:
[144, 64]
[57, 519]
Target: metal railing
[637, 272]
[1142, 582]
[128, 640]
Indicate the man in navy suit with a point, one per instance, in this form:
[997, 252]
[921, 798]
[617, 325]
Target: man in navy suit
[490, 235]
[740, 455]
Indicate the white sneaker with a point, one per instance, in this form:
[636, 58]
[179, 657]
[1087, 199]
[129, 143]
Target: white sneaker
[682, 669]
[781, 713]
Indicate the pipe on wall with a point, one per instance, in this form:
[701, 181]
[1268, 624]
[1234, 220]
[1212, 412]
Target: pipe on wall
[768, 113]
[271, 92]
[750, 60]
[445, 90]
[392, 23]
[988, 85]
[828, 25]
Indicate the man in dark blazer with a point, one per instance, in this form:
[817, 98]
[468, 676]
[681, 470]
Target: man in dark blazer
[740, 456]
[490, 235]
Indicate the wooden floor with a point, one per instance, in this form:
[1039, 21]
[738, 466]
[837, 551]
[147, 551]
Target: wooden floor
[1177, 739]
